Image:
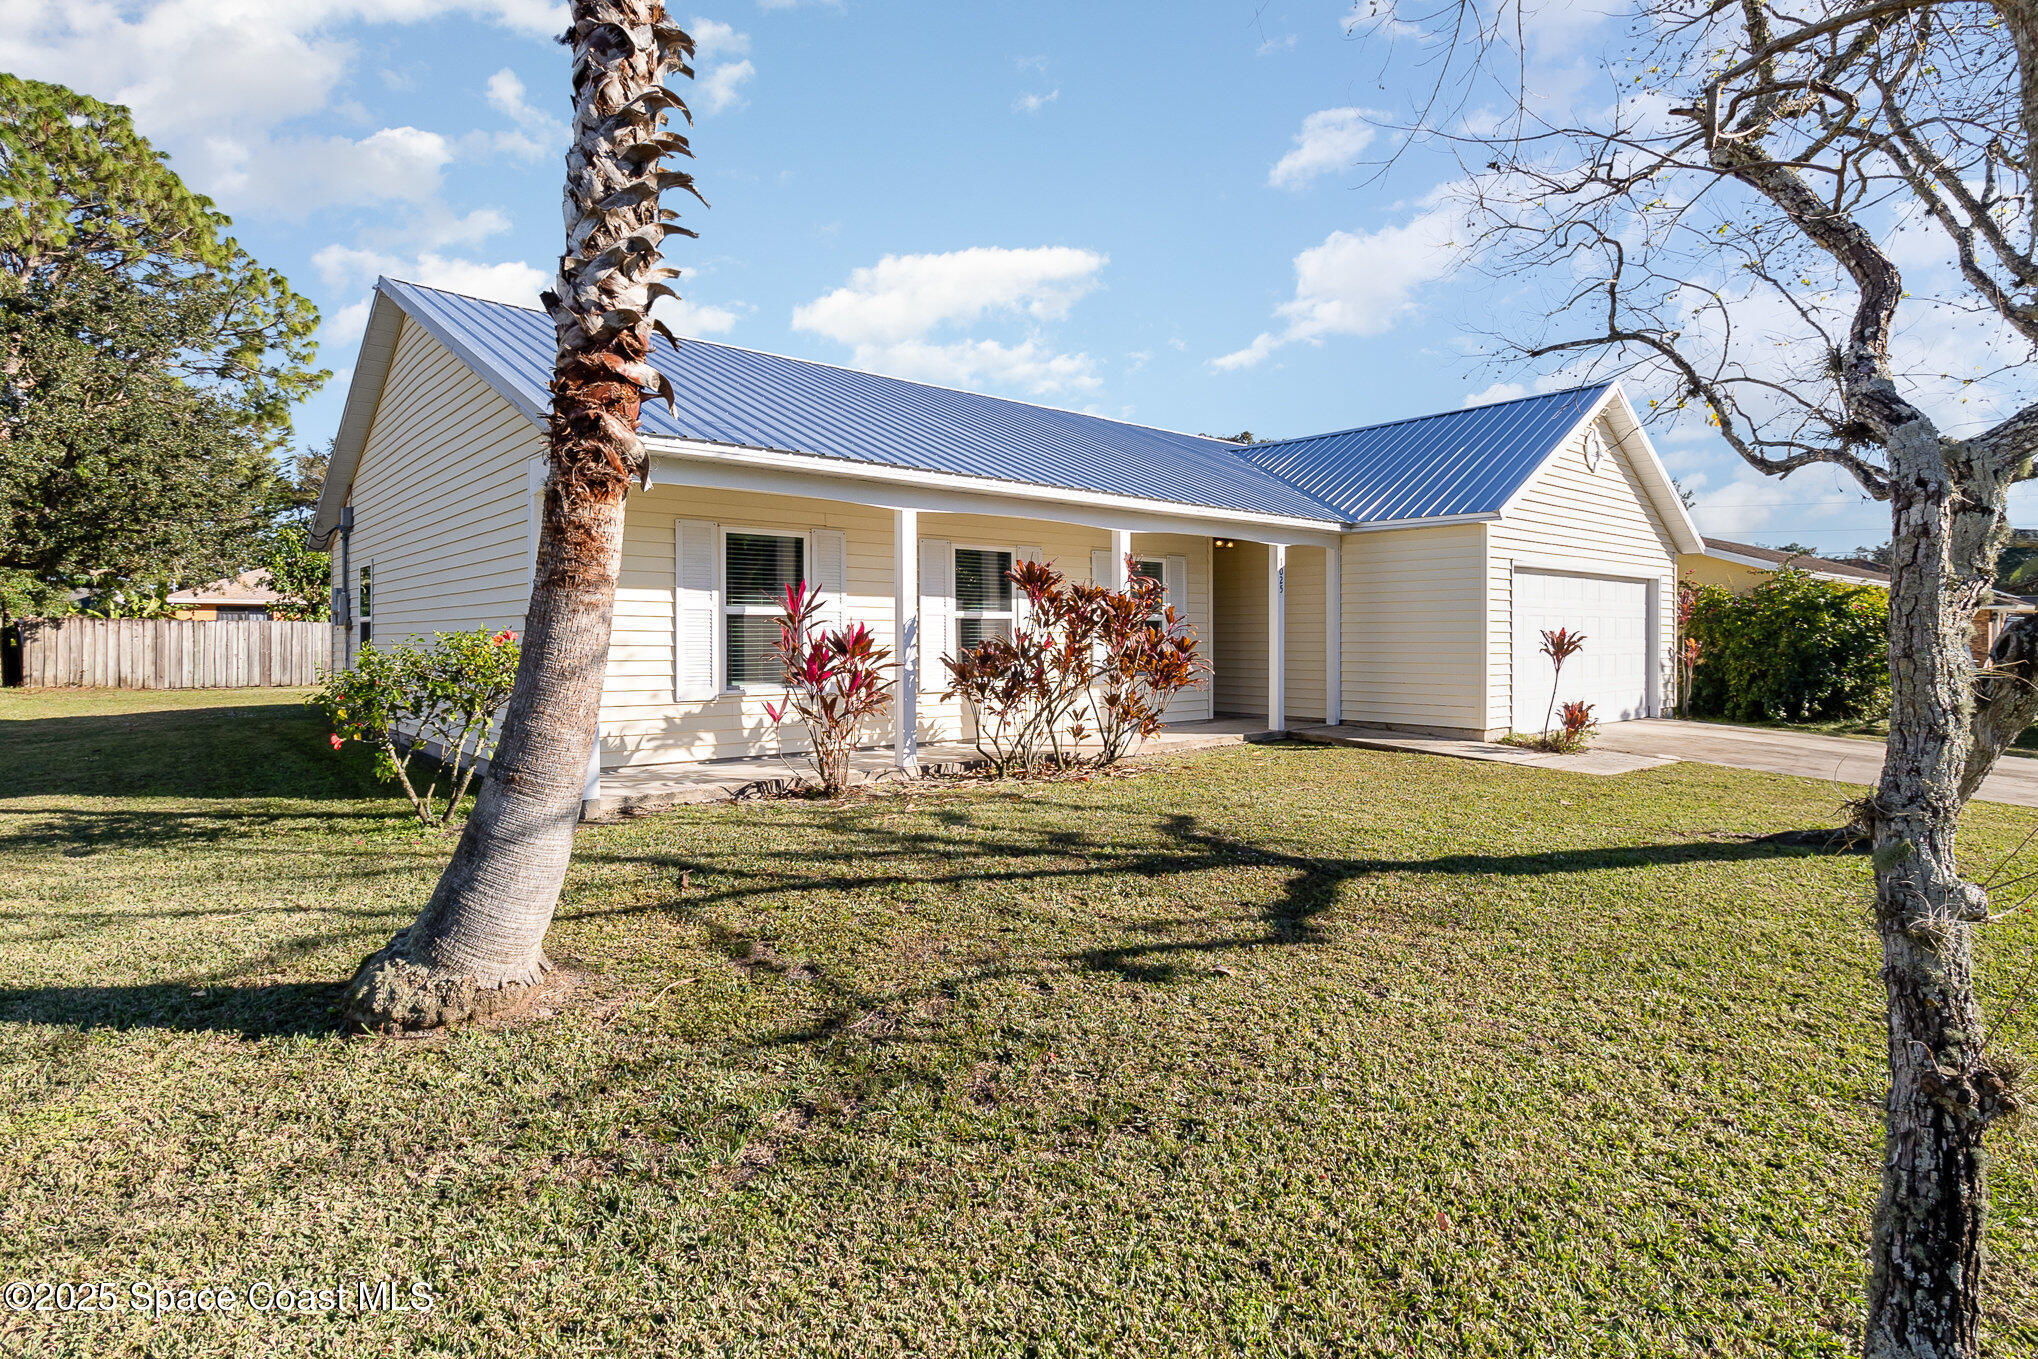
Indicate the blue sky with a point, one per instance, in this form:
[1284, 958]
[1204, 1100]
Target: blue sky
[1151, 213]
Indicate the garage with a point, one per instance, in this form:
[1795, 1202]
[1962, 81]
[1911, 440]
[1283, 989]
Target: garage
[1611, 672]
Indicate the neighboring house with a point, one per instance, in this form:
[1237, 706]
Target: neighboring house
[244, 596]
[1739, 567]
[1398, 575]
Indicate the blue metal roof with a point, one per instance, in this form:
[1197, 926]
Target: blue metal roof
[1461, 462]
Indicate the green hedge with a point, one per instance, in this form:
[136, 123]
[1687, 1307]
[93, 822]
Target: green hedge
[1793, 649]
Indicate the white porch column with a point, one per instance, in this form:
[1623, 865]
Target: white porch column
[1121, 548]
[590, 789]
[1277, 637]
[906, 625]
[1333, 635]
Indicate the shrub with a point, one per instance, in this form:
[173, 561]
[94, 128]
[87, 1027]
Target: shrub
[1793, 649]
[833, 680]
[398, 698]
[1091, 665]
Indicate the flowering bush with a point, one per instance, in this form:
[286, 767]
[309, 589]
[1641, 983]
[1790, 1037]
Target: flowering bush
[397, 699]
[1091, 664]
[833, 680]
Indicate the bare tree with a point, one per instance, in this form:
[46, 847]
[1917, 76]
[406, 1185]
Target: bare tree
[479, 940]
[1726, 217]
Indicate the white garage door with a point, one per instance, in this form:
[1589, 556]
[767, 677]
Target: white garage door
[1611, 672]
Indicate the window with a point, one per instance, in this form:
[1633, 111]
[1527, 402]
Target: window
[1156, 571]
[756, 569]
[367, 596]
[983, 595]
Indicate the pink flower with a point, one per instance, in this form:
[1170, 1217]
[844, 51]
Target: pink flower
[335, 739]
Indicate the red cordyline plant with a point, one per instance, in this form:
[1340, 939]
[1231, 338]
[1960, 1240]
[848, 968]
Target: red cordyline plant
[1088, 675]
[834, 681]
[1560, 645]
[1689, 653]
[1577, 723]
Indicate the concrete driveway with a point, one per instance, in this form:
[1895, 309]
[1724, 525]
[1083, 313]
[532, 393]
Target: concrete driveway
[1842, 759]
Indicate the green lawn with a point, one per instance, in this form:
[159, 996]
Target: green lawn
[1269, 1050]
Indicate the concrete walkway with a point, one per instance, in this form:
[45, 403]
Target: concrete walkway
[1839, 759]
[1593, 761]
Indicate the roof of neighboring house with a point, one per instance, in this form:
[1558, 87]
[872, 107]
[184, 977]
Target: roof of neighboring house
[1465, 463]
[248, 588]
[1866, 573]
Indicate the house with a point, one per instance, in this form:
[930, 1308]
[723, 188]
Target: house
[1396, 575]
[1740, 567]
[245, 596]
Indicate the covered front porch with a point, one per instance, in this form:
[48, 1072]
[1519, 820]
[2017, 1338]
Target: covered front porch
[684, 705]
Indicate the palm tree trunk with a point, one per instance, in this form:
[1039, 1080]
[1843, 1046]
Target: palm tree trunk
[1926, 1256]
[479, 940]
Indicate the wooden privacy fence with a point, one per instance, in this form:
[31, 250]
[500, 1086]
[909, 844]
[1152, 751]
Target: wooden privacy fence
[171, 653]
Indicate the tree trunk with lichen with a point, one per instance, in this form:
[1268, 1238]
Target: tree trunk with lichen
[479, 941]
[1926, 1255]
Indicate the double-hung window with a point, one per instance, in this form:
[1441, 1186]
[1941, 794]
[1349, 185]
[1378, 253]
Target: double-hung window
[983, 595]
[756, 568]
[1155, 570]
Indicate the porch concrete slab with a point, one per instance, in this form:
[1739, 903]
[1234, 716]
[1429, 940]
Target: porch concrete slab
[648, 788]
[1594, 761]
[1835, 759]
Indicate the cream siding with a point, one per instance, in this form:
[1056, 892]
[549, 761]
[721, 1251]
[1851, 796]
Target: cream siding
[439, 499]
[1239, 649]
[1571, 518]
[1414, 628]
[642, 724]
[1192, 705]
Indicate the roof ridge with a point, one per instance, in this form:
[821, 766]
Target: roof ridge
[1248, 449]
[1215, 443]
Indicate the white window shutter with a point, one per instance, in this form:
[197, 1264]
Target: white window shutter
[831, 576]
[1100, 566]
[1175, 577]
[696, 608]
[937, 612]
[1022, 615]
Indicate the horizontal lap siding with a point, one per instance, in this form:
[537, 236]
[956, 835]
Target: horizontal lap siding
[439, 498]
[1572, 518]
[1241, 614]
[641, 722]
[1414, 628]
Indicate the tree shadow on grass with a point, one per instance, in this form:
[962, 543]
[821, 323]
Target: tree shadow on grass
[862, 855]
[273, 748]
[268, 1010]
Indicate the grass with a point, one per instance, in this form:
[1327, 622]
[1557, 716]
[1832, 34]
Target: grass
[1265, 1050]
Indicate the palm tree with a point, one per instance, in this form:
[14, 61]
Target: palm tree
[478, 943]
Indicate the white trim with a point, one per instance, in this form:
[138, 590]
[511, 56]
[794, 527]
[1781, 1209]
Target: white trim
[726, 687]
[1334, 635]
[1736, 559]
[906, 638]
[949, 493]
[364, 394]
[957, 612]
[537, 471]
[1277, 637]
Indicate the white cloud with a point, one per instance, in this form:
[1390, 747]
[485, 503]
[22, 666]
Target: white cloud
[1034, 103]
[1330, 139]
[1499, 391]
[721, 64]
[342, 267]
[688, 317]
[292, 176]
[889, 312]
[1269, 46]
[1360, 282]
[536, 133]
